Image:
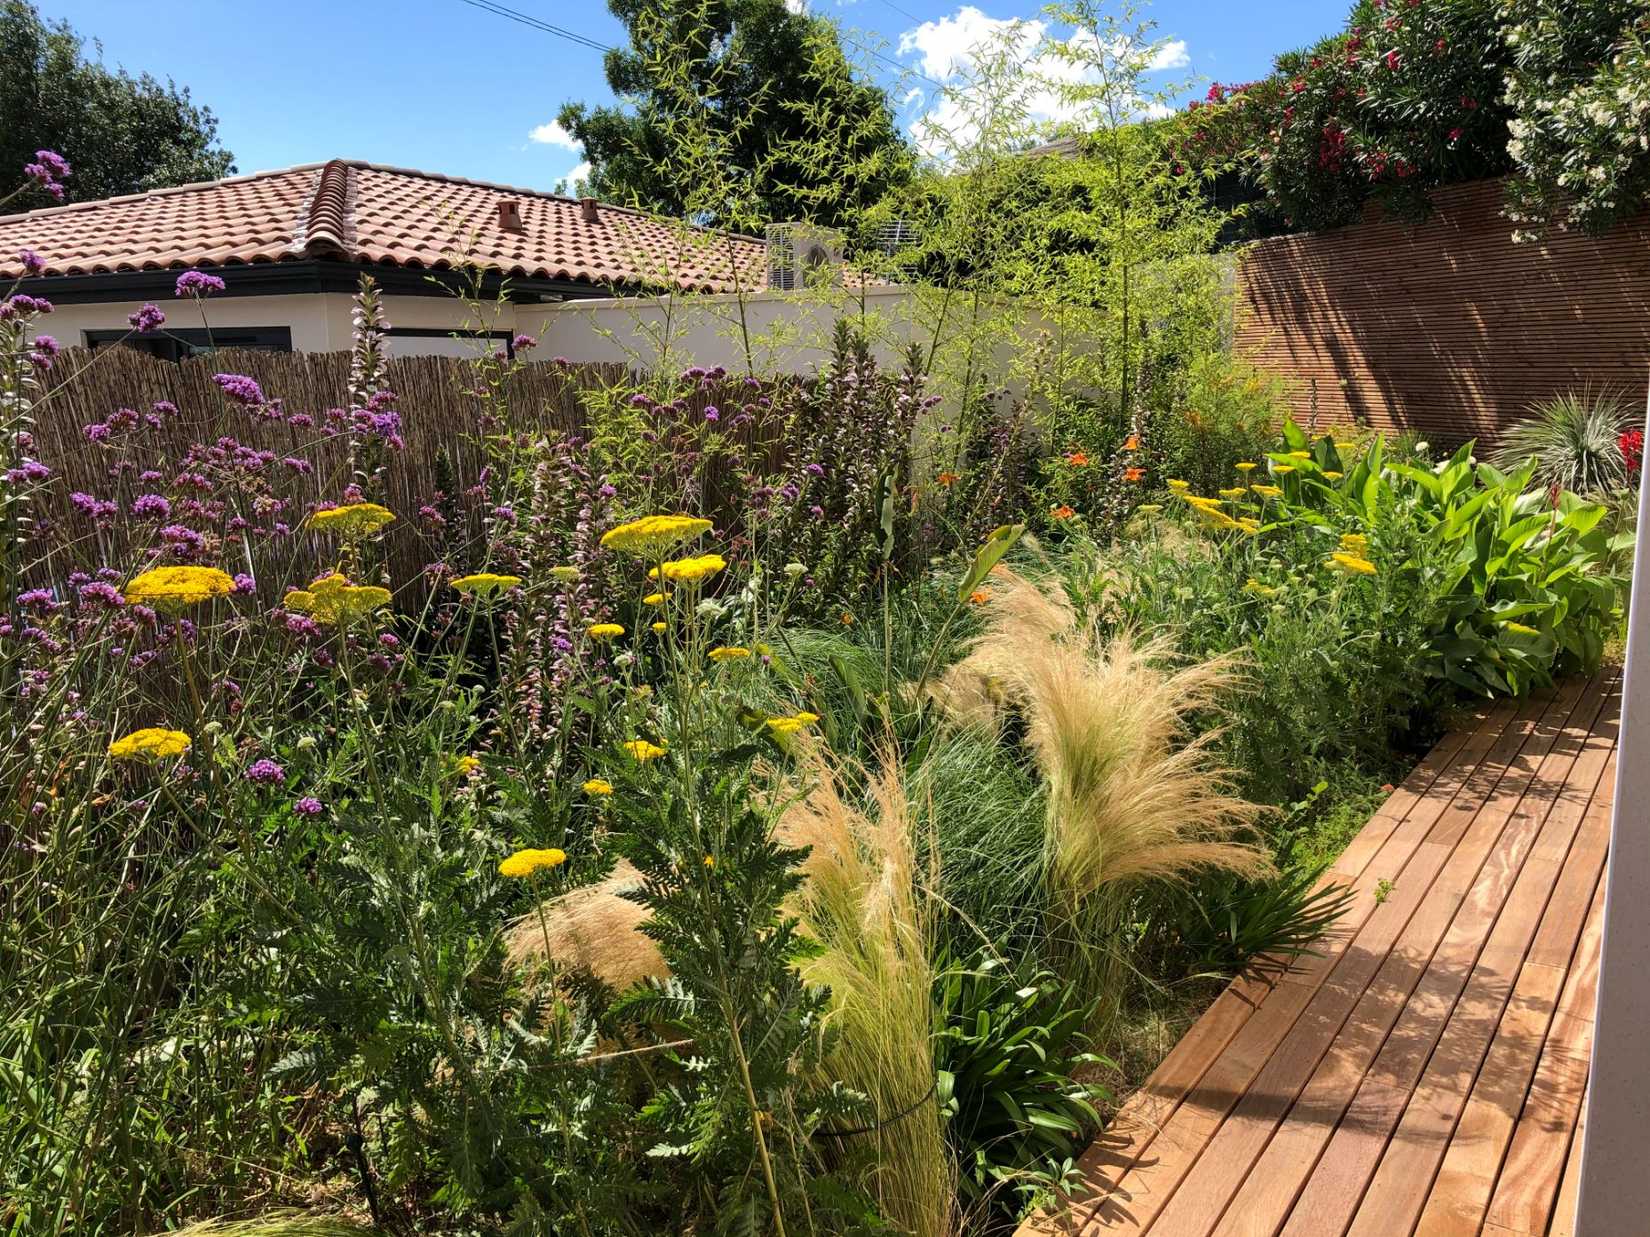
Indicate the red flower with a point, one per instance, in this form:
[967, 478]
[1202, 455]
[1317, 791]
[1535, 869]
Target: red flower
[1392, 60]
[947, 479]
[1455, 134]
[1632, 451]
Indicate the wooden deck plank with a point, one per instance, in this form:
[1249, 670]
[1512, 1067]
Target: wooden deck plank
[1527, 1185]
[1438, 776]
[1563, 1223]
[1429, 1068]
[1463, 988]
[1447, 915]
[1333, 980]
[1403, 1179]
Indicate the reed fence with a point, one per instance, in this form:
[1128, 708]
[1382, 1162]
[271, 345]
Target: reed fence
[442, 427]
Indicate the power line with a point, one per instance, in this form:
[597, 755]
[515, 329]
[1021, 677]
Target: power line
[572, 36]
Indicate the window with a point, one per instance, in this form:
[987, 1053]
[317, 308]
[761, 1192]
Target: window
[175, 344]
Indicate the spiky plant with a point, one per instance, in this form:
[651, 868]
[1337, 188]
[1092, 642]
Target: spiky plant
[1575, 439]
[1131, 797]
[867, 906]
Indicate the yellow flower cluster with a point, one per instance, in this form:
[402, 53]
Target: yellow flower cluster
[1351, 564]
[689, 570]
[642, 751]
[333, 599]
[485, 583]
[653, 534]
[793, 723]
[598, 786]
[173, 588]
[1355, 543]
[1236, 491]
[151, 743]
[1179, 486]
[1247, 466]
[526, 862]
[466, 765]
[655, 599]
[728, 653]
[1252, 585]
[1266, 491]
[350, 520]
[604, 631]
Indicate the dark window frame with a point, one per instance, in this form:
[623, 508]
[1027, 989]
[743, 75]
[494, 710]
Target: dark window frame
[442, 332]
[174, 344]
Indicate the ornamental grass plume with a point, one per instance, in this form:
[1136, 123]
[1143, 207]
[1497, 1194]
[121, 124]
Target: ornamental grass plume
[594, 929]
[279, 1224]
[868, 906]
[1131, 797]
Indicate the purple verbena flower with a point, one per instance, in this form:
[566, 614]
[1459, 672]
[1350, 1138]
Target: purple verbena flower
[265, 772]
[32, 262]
[198, 284]
[308, 806]
[241, 389]
[151, 506]
[149, 318]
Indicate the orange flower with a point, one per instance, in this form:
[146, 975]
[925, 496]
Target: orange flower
[947, 479]
[1077, 459]
[1063, 512]
[1132, 443]
[1133, 474]
[980, 596]
[847, 618]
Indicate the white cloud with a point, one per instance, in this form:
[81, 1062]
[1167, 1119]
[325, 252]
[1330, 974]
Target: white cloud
[967, 48]
[581, 172]
[552, 134]
[1171, 55]
[912, 96]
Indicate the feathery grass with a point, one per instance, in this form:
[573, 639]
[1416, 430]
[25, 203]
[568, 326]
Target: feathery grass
[1130, 796]
[594, 929]
[867, 904]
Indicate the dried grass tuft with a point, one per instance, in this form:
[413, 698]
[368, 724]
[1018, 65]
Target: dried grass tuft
[593, 929]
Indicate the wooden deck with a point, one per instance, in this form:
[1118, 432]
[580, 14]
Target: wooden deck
[1427, 1074]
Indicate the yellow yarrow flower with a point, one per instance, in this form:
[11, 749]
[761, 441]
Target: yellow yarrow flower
[1178, 486]
[604, 631]
[688, 570]
[525, 862]
[792, 724]
[1247, 466]
[1237, 491]
[1331, 474]
[653, 534]
[350, 519]
[1283, 469]
[1266, 491]
[485, 583]
[151, 743]
[1352, 564]
[806, 718]
[598, 786]
[333, 599]
[1249, 524]
[174, 588]
[728, 653]
[565, 575]
[1355, 543]
[466, 765]
[660, 628]
[655, 599]
[1252, 585]
[642, 751]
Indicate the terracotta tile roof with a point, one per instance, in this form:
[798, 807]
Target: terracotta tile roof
[352, 211]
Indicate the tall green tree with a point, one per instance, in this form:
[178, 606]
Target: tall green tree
[767, 91]
[122, 134]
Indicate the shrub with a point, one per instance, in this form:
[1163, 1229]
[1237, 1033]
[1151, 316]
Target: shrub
[1575, 440]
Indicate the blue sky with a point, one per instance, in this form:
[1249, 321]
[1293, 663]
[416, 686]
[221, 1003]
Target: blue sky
[444, 87]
